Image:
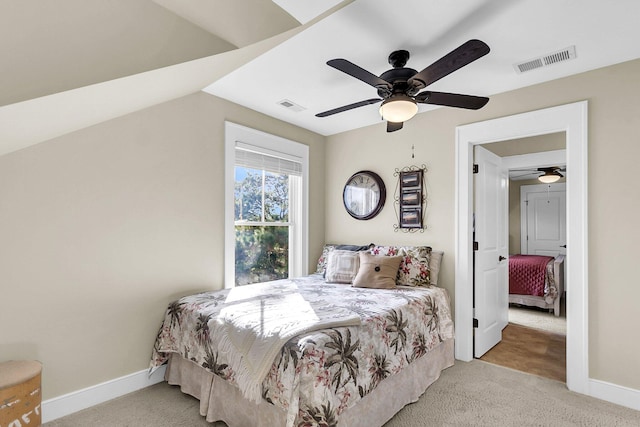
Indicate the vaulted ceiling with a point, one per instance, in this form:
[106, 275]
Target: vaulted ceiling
[68, 64]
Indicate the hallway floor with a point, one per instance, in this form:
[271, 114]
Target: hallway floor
[530, 350]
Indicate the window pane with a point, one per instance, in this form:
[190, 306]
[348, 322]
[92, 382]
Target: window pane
[248, 194]
[276, 197]
[262, 254]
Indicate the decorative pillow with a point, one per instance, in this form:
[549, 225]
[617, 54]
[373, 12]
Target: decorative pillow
[322, 261]
[414, 268]
[377, 271]
[386, 250]
[434, 266]
[342, 266]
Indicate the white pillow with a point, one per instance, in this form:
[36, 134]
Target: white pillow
[342, 266]
[434, 266]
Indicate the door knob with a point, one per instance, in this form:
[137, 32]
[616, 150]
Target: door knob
[501, 258]
[563, 246]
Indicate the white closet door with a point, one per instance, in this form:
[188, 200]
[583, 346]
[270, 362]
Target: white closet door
[544, 219]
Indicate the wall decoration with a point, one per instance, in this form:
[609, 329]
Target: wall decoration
[364, 195]
[410, 198]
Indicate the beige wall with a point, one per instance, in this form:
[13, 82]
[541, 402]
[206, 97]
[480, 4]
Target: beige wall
[614, 199]
[101, 228]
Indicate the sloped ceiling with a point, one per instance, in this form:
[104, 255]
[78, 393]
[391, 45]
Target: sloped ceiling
[69, 64]
[55, 46]
[239, 22]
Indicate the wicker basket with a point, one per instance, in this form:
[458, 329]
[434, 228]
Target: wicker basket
[20, 395]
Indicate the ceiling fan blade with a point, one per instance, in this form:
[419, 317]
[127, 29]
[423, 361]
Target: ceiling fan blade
[358, 72]
[527, 174]
[392, 127]
[348, 107]
[452, 100]
[454, 60]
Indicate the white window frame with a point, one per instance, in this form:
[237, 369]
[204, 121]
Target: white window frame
[236, 134]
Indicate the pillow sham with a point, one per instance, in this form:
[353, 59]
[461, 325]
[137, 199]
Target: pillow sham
[434, 266]
[377, 271]
[342, 266]
[321, 266]
[414, 268]
[322, 261]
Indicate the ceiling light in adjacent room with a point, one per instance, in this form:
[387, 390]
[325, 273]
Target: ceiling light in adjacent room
[550, 176]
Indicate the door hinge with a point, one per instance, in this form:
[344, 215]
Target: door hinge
[475, 168]
[475, 246]
[475, 323]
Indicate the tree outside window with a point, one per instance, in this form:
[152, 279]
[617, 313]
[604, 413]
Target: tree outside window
[262, 226]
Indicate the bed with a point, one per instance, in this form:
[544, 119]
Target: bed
[536, 281]
[361, 338]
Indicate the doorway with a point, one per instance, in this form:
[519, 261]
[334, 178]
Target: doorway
[534, 335]
[572, 119]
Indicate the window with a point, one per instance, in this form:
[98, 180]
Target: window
[265, 212]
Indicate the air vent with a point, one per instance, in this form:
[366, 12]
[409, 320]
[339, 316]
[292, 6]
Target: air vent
[543, 61]
[290, 105]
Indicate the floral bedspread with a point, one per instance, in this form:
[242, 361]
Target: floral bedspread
[319, 374]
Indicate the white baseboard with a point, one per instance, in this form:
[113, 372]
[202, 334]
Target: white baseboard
[614, 393]
[82, 399]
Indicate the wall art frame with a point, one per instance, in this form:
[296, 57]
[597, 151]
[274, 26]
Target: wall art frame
[410, 198]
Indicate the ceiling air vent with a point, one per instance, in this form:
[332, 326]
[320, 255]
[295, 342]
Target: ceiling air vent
[543, 61]
[290, 105]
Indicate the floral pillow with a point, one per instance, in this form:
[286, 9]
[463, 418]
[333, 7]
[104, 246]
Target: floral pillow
[414, 267]
[322, 261]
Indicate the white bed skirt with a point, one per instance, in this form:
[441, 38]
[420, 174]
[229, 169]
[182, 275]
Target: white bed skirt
[221, 401]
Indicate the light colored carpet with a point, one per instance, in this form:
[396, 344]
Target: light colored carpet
[467, 394]
[538, 319]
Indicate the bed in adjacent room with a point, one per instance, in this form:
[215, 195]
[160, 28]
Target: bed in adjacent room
[536, 281]
[347, 346]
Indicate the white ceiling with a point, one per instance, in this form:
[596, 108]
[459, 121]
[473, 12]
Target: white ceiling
[165, 49]
[366, 31]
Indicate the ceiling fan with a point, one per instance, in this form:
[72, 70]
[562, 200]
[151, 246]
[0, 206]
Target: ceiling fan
[399, 88]
[549, 175]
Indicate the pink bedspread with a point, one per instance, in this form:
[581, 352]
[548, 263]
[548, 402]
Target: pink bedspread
[527, 274]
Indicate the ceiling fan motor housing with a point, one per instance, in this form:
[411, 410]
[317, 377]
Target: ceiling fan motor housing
[398, 78]
[398, 58]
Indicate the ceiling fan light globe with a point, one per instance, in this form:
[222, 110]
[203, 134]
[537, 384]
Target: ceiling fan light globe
[549, 177]
[398, 109]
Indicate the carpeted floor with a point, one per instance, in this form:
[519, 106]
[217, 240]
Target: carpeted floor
[467, 394]
[539, 319]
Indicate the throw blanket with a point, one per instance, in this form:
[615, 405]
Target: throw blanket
[527, 274]
[258, 320]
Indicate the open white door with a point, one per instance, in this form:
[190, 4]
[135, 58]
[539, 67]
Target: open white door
[491, 291]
